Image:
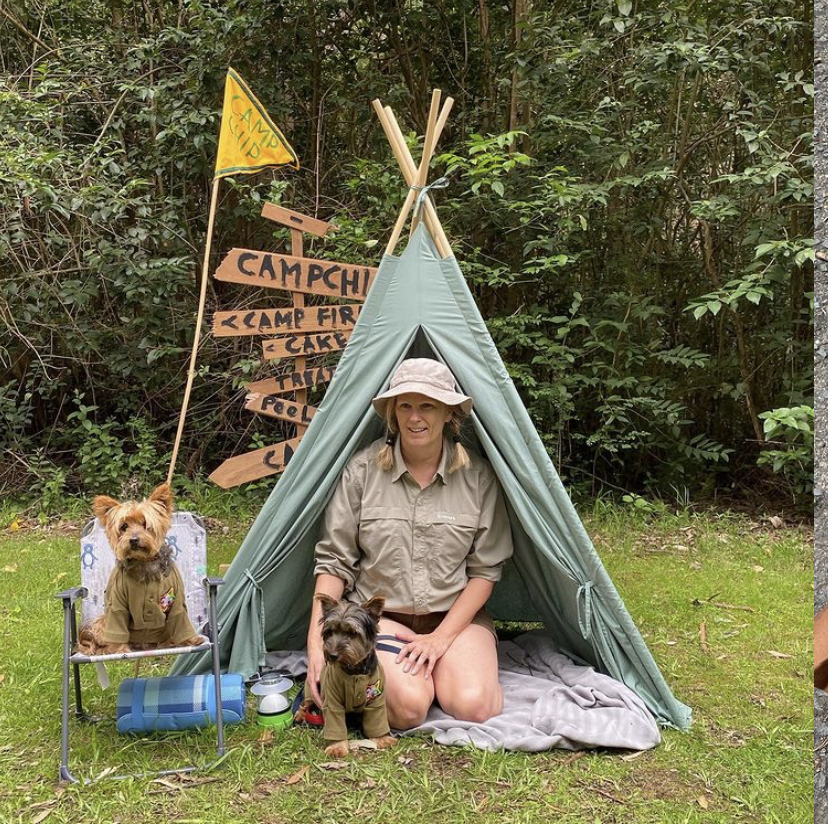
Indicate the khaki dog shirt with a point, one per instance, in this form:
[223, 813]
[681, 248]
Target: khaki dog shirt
[343, 694]
[146, 613]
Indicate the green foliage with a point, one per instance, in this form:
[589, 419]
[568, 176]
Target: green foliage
[790, 432]
[631, 201]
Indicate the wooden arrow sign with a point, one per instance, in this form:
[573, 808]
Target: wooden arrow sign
[296, 221]
[255, 464]
[282, 320]
[307, 344]
[280, 408]
[295, 273]
[284, 383]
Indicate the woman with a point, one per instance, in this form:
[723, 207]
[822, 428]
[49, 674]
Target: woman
[419, 521]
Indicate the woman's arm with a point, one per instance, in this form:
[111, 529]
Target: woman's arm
[334, 587]
[428, 649]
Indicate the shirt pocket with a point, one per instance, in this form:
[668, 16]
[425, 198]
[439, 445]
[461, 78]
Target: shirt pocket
[452, 540]
[383, 534]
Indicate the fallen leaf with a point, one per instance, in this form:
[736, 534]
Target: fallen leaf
[167, 784]
[404, 760]
[776, 522]
[579, 754]
[42, 815]
[365, 744]
[333, 765]
[367, 784]
[59, 577]
[299, 775]
[703, 637]
[757, 568]
[630, 757]
[776, 654]
[702, 800]
[14, 526]
[682, 548]
[10, 568]
[266, 736]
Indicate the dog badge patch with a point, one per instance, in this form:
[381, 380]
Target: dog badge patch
[373, 691]
[167, 600]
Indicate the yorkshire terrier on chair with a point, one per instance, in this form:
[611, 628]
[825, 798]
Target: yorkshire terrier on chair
[352, 679]
[145, 604]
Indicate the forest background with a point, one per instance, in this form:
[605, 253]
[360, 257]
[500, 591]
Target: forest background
[631, 202]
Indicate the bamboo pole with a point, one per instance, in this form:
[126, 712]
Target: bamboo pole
[412, 193]
[428, 149]
[406, 164]
[438, 131]
[199, 319]
[431, 219]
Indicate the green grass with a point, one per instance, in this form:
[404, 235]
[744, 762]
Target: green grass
[747, 758]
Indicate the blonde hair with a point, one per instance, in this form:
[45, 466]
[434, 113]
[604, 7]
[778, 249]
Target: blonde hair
[459, 456]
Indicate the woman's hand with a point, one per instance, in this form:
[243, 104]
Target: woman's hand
[423, 651]
[316, 661]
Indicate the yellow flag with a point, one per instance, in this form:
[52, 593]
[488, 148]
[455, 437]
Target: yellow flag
[249, 141]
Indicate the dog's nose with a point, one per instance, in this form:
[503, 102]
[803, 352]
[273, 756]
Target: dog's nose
[133, 541]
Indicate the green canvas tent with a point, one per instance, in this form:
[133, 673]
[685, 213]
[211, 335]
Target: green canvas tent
[420, 305]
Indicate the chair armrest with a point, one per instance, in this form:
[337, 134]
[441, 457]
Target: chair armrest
[212, 582]
[72, 594]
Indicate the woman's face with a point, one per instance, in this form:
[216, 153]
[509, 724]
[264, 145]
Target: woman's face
[421, 420]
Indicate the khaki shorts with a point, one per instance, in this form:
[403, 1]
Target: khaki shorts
[424, 624]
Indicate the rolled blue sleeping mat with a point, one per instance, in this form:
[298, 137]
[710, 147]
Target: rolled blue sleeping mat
[177, 702]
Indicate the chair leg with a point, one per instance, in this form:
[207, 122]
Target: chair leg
[79, 713]
[65, 775]
[214, 636]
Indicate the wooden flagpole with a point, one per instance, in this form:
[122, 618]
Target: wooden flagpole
[200, 318]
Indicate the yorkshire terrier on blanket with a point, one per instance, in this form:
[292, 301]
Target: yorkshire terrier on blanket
[145, 604]
[352, 679]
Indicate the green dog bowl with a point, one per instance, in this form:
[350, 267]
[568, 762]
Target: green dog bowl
[277, 721]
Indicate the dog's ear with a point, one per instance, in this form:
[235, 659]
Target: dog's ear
[374, 606]
[102, 506]
[326, 601]
[163, 496]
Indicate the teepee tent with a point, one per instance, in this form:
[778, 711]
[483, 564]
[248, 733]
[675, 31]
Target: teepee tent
[420, 305]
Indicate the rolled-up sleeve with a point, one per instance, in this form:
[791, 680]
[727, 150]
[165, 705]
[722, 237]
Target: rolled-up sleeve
[337, 552]
[493, 538]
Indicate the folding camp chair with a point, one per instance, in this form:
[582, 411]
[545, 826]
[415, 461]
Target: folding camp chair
[188, 539]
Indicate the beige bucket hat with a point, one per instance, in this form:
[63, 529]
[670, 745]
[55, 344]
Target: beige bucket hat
[427, 377]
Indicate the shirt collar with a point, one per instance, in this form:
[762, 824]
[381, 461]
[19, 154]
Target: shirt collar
[400, 469]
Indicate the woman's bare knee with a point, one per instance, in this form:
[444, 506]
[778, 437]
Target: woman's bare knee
[473, 704]
[407, 710]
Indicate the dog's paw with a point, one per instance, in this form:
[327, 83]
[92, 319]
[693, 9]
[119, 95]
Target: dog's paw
[337, 749]
[385, 742]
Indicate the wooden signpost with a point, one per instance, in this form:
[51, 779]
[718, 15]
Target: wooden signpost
[284, 383]
[305, 344]
[304, 331]
[282, 272]
[282, 320]
[255, 464]
[272, 406]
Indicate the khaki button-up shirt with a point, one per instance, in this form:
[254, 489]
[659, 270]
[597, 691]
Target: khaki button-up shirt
[418, 548]
[146, 613]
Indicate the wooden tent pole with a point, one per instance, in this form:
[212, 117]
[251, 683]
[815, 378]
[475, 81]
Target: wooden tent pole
[412, 193]
[428, 149]
[406, 164]
[431, 219]
[438, 131]
[199, 319]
